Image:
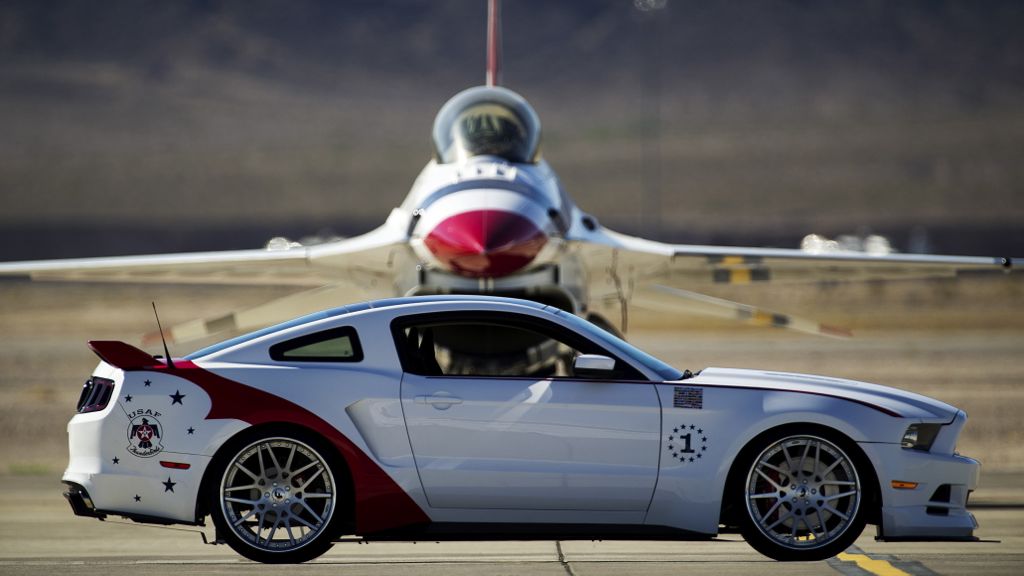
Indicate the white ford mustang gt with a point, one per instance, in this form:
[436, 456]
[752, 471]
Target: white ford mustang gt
[469, 417]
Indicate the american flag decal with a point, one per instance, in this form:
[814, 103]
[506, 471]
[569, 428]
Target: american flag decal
[688, 398]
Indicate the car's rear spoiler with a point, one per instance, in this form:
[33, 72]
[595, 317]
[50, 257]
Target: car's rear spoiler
[124, 356]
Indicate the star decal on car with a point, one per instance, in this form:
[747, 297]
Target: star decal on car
[687, 447]
[176, 397]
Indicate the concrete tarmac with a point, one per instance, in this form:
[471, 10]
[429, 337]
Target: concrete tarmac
[39, 535]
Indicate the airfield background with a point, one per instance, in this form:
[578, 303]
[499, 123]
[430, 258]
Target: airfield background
[144, 126]
[132, 127]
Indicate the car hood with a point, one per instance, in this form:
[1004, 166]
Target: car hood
[901, 402]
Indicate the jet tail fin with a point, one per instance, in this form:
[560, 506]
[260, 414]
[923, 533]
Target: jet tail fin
[494, 43]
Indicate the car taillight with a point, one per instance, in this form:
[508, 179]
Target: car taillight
[95, 394]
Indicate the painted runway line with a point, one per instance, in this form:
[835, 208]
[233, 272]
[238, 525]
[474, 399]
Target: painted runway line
[856, 562]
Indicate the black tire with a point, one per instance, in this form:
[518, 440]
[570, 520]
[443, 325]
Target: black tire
[274, 497]
[803, 496]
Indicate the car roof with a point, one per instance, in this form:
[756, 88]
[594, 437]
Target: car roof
[359, 307]
[389, 302]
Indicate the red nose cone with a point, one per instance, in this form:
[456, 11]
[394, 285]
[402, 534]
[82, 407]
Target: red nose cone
[485, 243]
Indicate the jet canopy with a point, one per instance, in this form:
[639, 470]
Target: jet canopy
[487, 121]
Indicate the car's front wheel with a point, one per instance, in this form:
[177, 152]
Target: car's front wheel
[804, 497]
[275, 499]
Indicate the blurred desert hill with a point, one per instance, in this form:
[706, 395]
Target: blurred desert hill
[132, 127]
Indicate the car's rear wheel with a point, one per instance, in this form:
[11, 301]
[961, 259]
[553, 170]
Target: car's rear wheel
[804, 497]
[275, 498]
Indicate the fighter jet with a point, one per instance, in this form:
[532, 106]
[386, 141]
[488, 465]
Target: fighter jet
[488, 215]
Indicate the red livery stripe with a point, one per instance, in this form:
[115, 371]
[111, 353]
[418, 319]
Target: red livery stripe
[380, 504]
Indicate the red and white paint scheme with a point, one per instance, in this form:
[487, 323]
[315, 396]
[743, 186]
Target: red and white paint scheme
[488, 216]
[451, 417]
[488, 206]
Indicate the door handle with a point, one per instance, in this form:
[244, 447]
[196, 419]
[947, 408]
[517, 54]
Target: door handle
[440, 400]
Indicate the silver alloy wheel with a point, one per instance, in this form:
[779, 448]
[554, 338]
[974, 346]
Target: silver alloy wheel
[278, 494]
[803, 492]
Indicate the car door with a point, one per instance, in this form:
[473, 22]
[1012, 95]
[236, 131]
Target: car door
[496, 421]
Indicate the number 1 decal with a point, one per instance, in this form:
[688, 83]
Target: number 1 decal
[687, 443]
[686, 449]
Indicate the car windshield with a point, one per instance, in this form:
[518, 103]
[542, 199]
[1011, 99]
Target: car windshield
[329, 313]
[609, 340]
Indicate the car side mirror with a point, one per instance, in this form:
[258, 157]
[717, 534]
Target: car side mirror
[593, 366]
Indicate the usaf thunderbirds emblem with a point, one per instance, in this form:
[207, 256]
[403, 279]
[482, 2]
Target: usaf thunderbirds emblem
[144, 435]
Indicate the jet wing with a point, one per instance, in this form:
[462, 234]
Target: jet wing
[369, 255]
[644, 261]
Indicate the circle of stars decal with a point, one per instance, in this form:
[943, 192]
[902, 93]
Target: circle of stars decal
[686, 443]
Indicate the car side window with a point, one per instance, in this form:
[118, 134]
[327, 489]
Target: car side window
[334, 345]
[436, 346]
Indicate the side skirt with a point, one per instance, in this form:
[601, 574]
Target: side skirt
[456, 531]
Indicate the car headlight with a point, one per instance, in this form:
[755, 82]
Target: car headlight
[920, 436]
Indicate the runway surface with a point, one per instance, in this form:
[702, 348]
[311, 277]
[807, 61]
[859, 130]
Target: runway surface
[39, 535]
